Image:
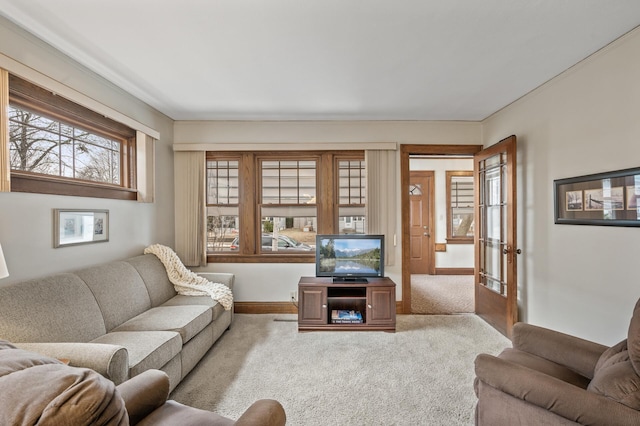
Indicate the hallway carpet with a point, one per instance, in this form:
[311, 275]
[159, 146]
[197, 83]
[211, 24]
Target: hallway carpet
[442, 294]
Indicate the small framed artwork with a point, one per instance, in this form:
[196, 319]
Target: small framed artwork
[574, 201]
[73, 227]
[610, 198]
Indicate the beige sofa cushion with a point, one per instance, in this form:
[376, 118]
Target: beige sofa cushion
[57, 308]
[154, 276]
[119, 291]
[147, 349]
[181, 300]
[188, 320]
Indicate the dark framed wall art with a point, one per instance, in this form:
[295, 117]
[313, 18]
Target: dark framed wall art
[611, 198]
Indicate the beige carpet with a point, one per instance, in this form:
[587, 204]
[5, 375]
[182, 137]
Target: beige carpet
[442, 294]
[421, 375]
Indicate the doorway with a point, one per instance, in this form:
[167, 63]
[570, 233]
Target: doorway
[495, 242]
[421, 219]
[436, 288]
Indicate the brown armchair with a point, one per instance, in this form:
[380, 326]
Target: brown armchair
[145, 398]
[551, 378]
[38, 389]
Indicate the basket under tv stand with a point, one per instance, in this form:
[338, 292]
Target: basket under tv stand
[320, 297]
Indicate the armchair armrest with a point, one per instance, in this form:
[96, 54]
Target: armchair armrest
[573, 352]
[561, 398]
[111, 361]
[144, 393]
[263, 412]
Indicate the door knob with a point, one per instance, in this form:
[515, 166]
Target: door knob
[506, 251]
[426, 234]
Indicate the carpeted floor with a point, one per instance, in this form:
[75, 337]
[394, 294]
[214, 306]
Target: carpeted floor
[442, 294]
[421, 375]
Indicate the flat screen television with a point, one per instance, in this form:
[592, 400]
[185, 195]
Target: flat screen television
[350, 258]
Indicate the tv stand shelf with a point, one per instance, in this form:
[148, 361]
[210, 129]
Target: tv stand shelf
[318, 297]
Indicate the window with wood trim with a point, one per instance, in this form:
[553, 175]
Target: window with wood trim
[59, 147]
[351, 196]
[270, 206]
[223, 201]
[460, 207]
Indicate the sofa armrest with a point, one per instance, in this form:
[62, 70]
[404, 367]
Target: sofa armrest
[573, 352]
[263, 412]
[144, 393]
[219, 277]
[554, 395]
[111, 361]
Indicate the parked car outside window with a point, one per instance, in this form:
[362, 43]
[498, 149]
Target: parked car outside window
[284, 243]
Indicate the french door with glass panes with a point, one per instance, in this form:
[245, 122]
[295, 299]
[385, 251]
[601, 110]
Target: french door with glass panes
[495, 240]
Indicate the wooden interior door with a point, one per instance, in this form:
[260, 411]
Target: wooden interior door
[495, 237]
[422, 249]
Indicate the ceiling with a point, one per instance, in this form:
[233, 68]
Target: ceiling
[326, 59]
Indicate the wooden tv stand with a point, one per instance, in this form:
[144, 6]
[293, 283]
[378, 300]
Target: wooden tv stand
[375, 300]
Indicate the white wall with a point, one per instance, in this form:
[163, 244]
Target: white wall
[26, 220]
[457, 255]
[274, 282]
[578, 279]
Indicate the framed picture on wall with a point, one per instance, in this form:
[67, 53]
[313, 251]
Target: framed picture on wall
[73, 227]
[610, 198]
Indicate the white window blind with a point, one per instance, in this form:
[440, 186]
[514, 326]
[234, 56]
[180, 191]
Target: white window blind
[381, 204]
[189, 173]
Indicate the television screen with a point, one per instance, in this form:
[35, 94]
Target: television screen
[348, 257]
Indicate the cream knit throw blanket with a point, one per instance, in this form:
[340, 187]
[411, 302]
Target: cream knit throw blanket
[187, 282]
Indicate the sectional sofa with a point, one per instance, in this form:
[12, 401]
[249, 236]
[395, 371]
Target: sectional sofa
[119, 318]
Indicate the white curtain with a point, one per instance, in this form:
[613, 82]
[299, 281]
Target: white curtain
[189, 172]
[145, 167]
[382, 191]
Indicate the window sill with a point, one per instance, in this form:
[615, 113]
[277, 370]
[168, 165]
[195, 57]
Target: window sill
[48, 185]
[459, 240]
[261, 258]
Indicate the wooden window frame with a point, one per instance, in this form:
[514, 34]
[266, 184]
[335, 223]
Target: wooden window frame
[451, 239]
[337, 168]
[249, 181]
[28, 96]
[362, 196]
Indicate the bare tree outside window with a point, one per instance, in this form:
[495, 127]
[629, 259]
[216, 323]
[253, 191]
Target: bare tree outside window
[39, 144]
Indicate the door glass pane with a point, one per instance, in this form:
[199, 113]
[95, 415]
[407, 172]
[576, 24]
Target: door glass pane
[493, 255]
[493, 222]
[493, 285]
[493, 161]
